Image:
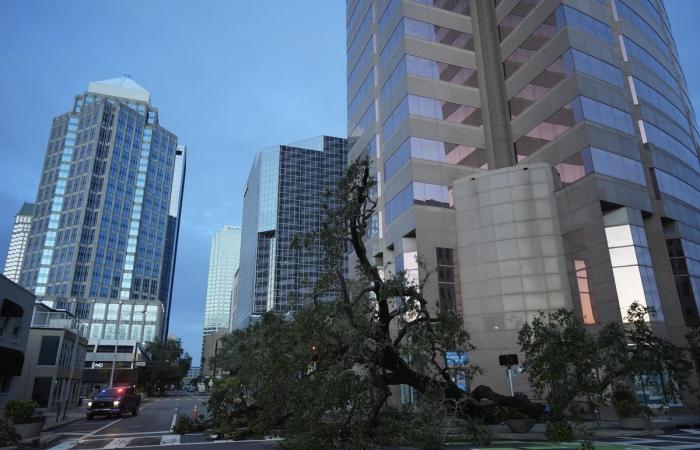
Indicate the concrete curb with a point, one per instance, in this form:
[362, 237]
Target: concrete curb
[51, 426]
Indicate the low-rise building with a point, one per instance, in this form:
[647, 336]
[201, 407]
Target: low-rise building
[15, 317]
[53, 368]
[212, 344]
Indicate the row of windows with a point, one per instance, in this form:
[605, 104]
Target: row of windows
[632, 17]
[421, 67]
[456, 6]
[668, 184]
[432, 109]
[659, 101]
[563, 16]
[660, 138]
[592, 160]
[365, 91]
[112, 332]
[570, 61]
[425, 31]
[362, 34]
[636, 52]
[579, 109]
[431, 150]
[417, 193]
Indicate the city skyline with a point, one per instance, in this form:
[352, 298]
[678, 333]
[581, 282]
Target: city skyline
[230, 204]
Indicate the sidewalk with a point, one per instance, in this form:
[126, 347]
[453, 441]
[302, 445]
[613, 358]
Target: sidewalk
[72, 415]
[606, 429]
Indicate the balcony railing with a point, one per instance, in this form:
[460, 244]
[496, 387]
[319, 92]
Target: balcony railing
[58, 319]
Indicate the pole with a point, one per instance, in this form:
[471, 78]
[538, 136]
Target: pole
[216, 352]
[510, 381]
[114, 364]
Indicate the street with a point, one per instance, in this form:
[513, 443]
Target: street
[153, 427]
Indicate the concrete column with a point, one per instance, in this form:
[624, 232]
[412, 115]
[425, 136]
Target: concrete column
[494, 107]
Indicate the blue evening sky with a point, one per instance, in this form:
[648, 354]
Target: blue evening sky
[229, 77]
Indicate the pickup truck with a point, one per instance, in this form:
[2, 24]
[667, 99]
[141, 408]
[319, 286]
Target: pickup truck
[114, 401]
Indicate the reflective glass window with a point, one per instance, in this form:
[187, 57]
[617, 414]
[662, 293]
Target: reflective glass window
[441, 71]
[362, 34]
[418, 193]
[537, 88]
[659, 101]
[516, 15]
[670, 145]
[635, 19]
[670, 185]
[447, 111]
[439, 34]
[636, 52]
[456, 6]
[365, 91]
[432, 150]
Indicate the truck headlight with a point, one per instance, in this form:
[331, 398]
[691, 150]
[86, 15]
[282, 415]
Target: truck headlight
[115, 403]
[89, 404]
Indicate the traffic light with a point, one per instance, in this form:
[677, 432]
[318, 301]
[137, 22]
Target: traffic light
[508, 360]
[315, 356]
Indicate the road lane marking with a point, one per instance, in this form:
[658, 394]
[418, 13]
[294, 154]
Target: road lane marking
[65, 445]
[100, 429]
[170, 439]
[101, 436]
[228, 441]
[118, 443]
[177, 409]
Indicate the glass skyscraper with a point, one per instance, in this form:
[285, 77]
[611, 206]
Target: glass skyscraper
[224, 257]
[282, 203]
[539, 154]
[18, 242]
[104, 232]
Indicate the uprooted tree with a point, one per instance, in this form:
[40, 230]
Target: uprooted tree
[330, 371]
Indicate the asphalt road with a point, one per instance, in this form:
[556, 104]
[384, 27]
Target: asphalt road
[152, 428]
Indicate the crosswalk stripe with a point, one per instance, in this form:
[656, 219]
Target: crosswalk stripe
[170, 439]
[65, 445]
[118, 443]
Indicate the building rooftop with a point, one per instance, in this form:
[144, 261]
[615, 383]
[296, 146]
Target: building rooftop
[27, 209]
[123, 86]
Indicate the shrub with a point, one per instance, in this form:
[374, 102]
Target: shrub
[7, 434]
[558, 432]
[22, 411]
[186, 424]
[479, 433]
[626, 404]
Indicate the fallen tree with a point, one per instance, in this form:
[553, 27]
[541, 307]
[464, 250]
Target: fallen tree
[331, 370]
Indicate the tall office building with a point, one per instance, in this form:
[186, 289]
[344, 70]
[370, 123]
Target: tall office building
[539, 154]
[103, 239]
[18, 241]
[173, 234]
[224, 257]
[283, 202]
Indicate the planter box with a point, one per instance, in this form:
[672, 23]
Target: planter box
[28, 430]
[633, 423]
[520, 425]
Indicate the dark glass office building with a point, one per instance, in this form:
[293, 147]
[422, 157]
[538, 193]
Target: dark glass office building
[104, 232]
[540, 154]
[283, 201]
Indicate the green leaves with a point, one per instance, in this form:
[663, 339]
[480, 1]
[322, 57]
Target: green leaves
[565, 360]
[160, 377]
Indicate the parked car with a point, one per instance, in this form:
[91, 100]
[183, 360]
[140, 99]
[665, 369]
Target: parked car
[114, 402]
